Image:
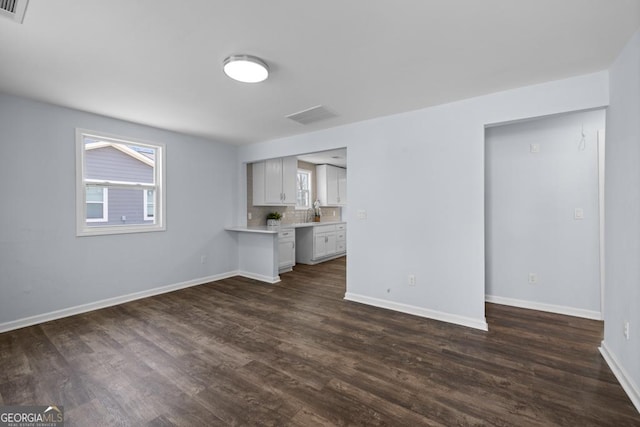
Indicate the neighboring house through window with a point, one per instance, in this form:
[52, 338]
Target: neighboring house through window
[303, 189]
[97, 204]
[119, 185]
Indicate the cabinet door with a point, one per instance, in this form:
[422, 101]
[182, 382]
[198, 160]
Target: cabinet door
[286, 253]
[331, 244]
[273, 181]
[289, 175]
[342, 186]
[319, 246]
[332, 185]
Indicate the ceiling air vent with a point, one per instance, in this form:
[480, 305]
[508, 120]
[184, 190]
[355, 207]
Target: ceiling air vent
[13, 9]
[312, 115]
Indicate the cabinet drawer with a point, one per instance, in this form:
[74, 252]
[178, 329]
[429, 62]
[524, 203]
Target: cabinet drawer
[288, 233]
[341, 236]
[317, 229]
[340, 227]
[341, 247]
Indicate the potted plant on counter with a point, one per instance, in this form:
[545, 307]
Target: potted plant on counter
[273, 219]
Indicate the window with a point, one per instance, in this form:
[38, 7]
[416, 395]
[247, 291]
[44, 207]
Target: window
[149, 205]
[119, 185]
[303, 189]
[97, 204]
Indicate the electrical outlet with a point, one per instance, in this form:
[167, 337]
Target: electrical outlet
[533, 278]
[626, 330]
[534, 148]
[203, 259]
[412, 280]
[284, 215]
[249, 216]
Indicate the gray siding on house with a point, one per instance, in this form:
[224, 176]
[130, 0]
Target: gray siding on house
[111, 164]
[125, 202]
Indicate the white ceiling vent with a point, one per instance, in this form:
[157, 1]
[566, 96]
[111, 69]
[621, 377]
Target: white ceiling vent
[13, 9]
[312, 115]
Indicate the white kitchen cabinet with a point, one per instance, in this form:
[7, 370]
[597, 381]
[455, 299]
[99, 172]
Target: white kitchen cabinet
[331, 185]
[320, 243]
[274, 182]
[286, 249]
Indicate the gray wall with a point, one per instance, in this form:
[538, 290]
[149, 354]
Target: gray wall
[530, 202]
[419, 176]
[622, 290]
[43, 265]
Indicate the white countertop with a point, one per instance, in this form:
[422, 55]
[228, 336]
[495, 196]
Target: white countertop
[274, 230]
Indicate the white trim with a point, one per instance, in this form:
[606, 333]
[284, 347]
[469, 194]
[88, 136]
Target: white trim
[550, 308]
[109, 302]
[625, 380]
[601, 206]
[259, 277]
[419, 311]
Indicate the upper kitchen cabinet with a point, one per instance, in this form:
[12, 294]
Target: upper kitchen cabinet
[332, 185]
[274, 182]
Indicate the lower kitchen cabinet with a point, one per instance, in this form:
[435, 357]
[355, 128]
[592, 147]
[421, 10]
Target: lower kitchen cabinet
[286, 249]
[320, 243]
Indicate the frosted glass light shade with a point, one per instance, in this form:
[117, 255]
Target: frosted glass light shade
[246, 69]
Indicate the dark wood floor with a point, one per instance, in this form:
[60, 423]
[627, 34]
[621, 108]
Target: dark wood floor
[237, 352]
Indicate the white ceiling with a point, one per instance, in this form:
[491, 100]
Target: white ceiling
[159, 62]
[330, 157]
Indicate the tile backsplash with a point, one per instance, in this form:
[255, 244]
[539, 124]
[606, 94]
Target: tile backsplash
[290, 214]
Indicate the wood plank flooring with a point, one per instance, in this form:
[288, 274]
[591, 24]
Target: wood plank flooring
[238, 352]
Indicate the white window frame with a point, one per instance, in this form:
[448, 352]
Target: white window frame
[159, 223]
[310, 173]
[105, 207]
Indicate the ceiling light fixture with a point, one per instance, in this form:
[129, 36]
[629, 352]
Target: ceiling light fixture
[246, 68]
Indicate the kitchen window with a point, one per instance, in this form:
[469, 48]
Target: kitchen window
[120, 185]
[303, 189]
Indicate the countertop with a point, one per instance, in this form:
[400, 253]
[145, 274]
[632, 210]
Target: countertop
[274, 230]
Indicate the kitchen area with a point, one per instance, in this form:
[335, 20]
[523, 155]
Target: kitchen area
[295, 211]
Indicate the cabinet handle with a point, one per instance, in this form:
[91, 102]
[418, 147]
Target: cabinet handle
[293, 245]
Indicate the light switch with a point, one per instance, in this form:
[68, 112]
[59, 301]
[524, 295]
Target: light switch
[362, 214]
[534, 148]
[578, 213]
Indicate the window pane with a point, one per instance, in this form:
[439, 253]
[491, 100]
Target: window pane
[95, 210]
[151, 204]
[303, 189]
[110, 161]
[94, 194]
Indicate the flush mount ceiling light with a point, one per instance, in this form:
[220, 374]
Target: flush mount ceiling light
[246, 68]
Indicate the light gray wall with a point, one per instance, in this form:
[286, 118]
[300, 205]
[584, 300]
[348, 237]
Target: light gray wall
[43, 265]
[420, 178]
[530, 204]
[622, 217]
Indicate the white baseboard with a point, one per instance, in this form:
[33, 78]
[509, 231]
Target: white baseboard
[631, 388]
[558, 309]
[109, 302]
[260, 277]
[418, 311]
